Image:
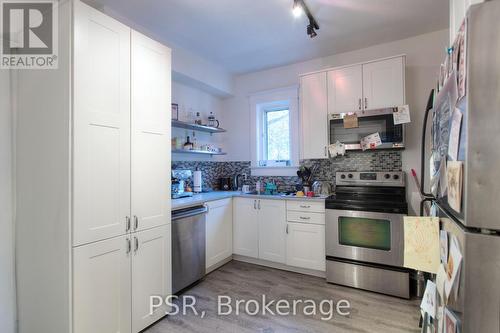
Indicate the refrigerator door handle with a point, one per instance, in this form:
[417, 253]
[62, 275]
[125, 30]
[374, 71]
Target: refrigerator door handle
[426, 196]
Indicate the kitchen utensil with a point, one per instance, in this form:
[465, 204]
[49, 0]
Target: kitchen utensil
[212, 122]
[225, 184]
[245, 189]
[197, 181]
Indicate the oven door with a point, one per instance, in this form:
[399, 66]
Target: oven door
[369, 122]
[365, 236]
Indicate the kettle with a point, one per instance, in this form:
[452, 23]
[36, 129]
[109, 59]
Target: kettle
[321, 188]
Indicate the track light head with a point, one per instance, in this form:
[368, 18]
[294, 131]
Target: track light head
[311, 32]
[297, 9]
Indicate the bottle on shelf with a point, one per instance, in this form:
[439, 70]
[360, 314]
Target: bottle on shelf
[198, 118]
[188, 145]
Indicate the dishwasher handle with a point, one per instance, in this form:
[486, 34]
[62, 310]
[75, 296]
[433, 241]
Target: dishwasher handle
[199, 210]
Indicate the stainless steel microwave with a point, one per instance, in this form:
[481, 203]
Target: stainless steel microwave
[369, 122]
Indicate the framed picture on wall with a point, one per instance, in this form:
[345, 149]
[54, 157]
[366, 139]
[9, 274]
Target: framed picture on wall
[175, 111]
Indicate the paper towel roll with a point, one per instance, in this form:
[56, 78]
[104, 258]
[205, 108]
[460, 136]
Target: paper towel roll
[197, 181]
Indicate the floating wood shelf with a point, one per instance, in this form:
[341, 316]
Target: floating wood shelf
[196, 127]
[201, 152]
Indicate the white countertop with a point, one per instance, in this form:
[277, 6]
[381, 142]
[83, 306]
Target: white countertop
[201, 198]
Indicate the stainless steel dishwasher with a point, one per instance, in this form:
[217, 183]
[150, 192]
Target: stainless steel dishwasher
[188, 246]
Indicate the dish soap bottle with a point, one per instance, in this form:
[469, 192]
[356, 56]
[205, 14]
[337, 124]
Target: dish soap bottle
[188, 145]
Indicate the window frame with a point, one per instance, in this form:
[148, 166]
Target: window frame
[274, 100]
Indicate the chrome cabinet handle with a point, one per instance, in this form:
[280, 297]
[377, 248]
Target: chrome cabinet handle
[136, 241]
[129, 245]
[305, 218]
[326, 151]
[255, 204]
[366, 103]
[136, 222]
[359, 103]
[259, 204]
[127, 223]
[287, 228]
[305, 206]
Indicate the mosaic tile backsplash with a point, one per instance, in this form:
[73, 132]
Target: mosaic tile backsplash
[353, 161]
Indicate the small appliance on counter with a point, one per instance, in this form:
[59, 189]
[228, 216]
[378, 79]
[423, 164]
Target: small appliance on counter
[180, 179]
[197, 181]
[225, 184]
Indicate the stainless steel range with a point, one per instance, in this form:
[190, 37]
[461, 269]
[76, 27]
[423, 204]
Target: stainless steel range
[364, 232]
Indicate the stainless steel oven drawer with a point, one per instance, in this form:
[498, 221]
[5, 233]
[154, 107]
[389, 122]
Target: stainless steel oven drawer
[381, 280]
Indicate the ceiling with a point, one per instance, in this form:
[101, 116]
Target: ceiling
[249, 35]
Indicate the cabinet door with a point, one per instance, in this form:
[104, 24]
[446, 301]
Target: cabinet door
[272, 230]
[150, 133]
[245, 227]
[219, 231]
[305, 246]
[313, 116]
[345, 89]
[151, 274]
[383, 84]
[101, 286]
[101, 116]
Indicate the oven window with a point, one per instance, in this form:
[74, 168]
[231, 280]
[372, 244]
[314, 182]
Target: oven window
[364, 232]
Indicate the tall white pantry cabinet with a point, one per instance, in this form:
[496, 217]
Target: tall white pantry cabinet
[92, 139]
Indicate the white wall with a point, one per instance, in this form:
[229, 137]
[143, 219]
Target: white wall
[7, 291]
[197, 100]
[424, 55]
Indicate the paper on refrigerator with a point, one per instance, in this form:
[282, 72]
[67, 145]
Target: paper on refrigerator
[371, 141]
[440, 281]
[453, 268]
[454, 143]
[421, 243]
[401, 115]
[429, 301]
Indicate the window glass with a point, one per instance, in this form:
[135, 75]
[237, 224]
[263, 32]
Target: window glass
[277, 135]
[365, 232]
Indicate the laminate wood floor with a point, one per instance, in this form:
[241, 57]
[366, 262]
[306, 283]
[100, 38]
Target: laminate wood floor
[370, 312]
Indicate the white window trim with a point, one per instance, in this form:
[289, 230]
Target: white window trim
[268, 98]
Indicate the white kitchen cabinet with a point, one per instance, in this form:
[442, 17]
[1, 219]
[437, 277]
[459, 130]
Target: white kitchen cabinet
[102, 286]
[104, 136]
[219, 231]
[383, 84]
[150, 94]
[313, 116]
[272, 226]
[345, 89]
[151, 274]
[101, 140]
[305, 246]
[245, 227]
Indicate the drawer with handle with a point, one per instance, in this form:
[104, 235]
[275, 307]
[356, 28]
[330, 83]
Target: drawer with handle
[305, 217]
[306, 206]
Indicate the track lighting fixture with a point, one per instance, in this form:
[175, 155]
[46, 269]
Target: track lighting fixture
[300, 7]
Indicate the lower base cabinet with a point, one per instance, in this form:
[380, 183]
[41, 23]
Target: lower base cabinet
[305, 246]
[114, 279]
[219, 231]
[245, 227]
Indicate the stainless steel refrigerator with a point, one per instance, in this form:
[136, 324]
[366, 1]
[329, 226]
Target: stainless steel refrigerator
[476, 223]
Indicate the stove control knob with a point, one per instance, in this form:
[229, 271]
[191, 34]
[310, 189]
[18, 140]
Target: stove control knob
[387, 176]
[395, 177]
[342, 176]
[350, 176]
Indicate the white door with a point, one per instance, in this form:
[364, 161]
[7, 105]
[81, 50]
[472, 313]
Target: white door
[101, 116]
[272, 230]
[101, 286]
[245, 227]
[151, 274]
[383, 84]
[313, 116]
[219, 231]
[345, 89]
[150, 133]
[305, 246]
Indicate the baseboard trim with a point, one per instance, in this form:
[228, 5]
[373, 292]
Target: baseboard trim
[218, 265]
[276, 265]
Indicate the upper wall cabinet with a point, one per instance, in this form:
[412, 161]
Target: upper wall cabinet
[383, 84]
[101, 126]
[345, 89]
[313, 116]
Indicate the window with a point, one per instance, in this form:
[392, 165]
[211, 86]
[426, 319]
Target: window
[276, 137]
[274, 132]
